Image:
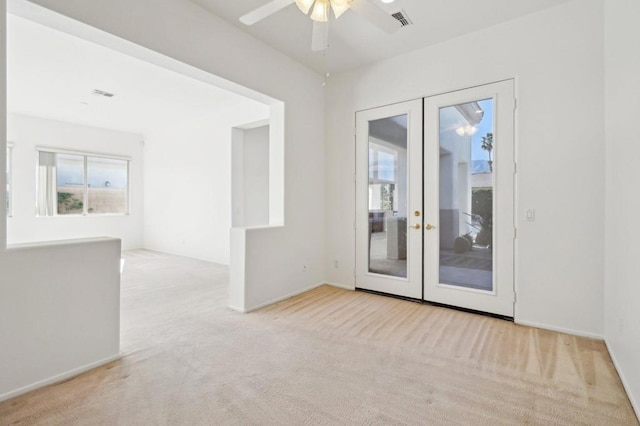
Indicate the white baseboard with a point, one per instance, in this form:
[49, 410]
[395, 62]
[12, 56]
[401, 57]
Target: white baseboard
[188, 256]
[280, 299]
[625, 383]
[237, 309]
[560, 329]
[343, 286]
[57, 378]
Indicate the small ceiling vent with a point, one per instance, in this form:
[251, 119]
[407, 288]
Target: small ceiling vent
[98, 92]
[402, 17]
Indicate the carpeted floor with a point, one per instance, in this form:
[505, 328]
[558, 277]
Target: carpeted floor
[328, 356]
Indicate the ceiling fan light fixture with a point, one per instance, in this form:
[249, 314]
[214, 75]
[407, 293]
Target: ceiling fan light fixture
[468, 130]
[304, 5]
[340, 6]
[320, 11]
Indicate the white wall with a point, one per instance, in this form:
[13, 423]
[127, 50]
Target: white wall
[256, 176]
[59, 311]
[26, 133]
[556, 57]
[187, 179]
[622, 289]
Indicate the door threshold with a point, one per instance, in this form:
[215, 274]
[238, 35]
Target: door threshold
[395, 296]
[470, 311]
[440, 305]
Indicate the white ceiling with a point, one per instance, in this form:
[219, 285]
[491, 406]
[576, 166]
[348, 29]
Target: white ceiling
[355, 42]
[51, 74]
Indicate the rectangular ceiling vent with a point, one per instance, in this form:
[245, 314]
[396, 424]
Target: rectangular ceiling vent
[99, 92]
[402, 17]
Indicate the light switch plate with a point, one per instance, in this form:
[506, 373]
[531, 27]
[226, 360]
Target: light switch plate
[531, 215]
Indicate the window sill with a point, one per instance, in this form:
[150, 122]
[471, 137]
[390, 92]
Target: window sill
[76, 216]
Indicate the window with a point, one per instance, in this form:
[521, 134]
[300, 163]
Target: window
[9, 177]
[69, 184]
[108, 188]
[383, 168]
[82, 184]
[383, 164]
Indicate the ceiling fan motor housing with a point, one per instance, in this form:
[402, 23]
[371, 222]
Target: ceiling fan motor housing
[320, 8]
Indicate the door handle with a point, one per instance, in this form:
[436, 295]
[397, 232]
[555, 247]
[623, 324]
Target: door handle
[416, 226]
[429, 227]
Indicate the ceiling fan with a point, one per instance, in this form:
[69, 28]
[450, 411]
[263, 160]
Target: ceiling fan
[319, 11]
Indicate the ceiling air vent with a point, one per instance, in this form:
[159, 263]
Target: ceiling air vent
[98, 92]
[402, 17]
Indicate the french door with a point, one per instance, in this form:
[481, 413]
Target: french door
[389, 199]
[434, 189]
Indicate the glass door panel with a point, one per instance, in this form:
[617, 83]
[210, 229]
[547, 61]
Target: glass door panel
[466, 195]
[388, 196]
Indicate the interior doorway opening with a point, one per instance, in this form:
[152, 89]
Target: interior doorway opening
[180, 174]
[172, 123]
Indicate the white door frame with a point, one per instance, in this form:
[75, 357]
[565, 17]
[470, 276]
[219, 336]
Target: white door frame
[422, 281]
[500, 301]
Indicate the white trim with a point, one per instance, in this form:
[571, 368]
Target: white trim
[83, 153]
[560, 329]
[342, 286]
[85, 186]
[9, 182]
[253, 125]
[129, 203]
[58, 378]
[625, 383]
[280, 299]
[237, 309]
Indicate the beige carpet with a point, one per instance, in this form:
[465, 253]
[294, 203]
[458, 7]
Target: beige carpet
[328, 356]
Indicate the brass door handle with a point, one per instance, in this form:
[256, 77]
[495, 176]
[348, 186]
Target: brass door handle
[416, 226]
[429, 227]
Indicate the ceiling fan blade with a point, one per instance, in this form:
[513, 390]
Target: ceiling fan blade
[264, 11]
[376, 15]
[320, 36]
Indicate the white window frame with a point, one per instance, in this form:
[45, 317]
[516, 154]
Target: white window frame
[85, 196]
[378, 148]
[9, 182]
